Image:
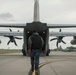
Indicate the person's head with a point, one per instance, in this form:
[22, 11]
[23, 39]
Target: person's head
[35, 32]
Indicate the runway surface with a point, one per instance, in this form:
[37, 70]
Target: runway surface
[58, 63]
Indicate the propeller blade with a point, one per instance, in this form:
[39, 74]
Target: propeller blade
[53, 39]
[18, 31]
[63, 42]
[0, 41]
[17, 38]
[15, 43]
[60, 30]
[57, 44]
[10, 30]
[8, 42]
[6, 36]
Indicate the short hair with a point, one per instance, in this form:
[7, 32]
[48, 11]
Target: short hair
[34, 31]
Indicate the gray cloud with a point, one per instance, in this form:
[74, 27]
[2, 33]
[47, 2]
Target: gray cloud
[7, 17]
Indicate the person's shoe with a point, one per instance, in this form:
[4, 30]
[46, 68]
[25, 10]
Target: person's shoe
[36, 72]
[30, 72]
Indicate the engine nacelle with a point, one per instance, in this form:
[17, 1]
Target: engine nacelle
[73, 42]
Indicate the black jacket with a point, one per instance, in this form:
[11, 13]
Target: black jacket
[36, 41]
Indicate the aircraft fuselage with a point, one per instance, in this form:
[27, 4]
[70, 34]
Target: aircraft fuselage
[43, 31]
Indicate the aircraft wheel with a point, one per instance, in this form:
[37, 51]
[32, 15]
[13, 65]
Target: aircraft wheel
[24, 53]
[47, 54]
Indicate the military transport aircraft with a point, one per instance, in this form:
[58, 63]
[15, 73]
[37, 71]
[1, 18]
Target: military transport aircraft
[41, 28]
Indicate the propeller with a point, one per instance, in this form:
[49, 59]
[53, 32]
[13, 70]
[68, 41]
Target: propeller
[59, 39]
[12, 38]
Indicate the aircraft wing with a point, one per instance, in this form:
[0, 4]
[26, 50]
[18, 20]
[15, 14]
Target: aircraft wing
[4, 33]
[62, 34]
[18, 25]
[22, 25]
[15, 25]
[61, 25]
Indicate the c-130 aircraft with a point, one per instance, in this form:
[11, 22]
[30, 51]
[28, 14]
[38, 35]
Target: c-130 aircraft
[41, 28]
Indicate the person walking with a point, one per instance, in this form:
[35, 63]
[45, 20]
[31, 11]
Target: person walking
[35, 43]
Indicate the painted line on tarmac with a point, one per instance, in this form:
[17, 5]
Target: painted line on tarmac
[45, 63]
[41, 65]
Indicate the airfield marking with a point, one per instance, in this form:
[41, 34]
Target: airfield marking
[41, 65]
[45, 63]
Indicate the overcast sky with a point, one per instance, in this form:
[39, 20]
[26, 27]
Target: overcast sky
[51, 11]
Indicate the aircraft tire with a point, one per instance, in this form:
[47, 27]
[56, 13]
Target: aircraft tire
[24, 53]
[47, 54]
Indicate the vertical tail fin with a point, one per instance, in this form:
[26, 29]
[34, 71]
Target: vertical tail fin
[36, 10]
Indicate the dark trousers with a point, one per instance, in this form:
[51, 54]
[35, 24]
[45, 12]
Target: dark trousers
[35, 59]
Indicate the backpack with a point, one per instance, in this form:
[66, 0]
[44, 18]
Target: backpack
[36, 42]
